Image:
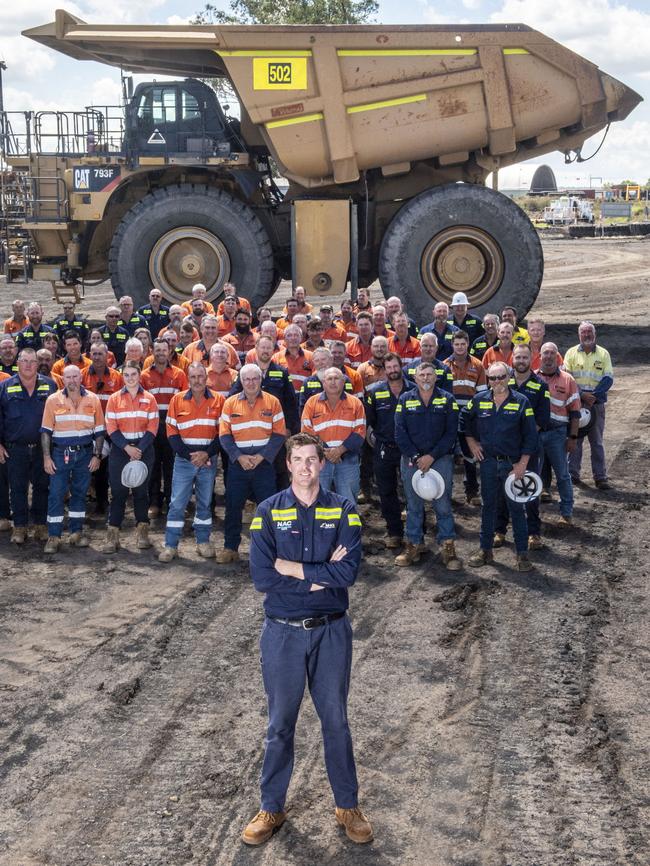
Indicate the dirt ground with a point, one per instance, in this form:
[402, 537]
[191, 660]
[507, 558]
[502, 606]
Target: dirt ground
[499, 719]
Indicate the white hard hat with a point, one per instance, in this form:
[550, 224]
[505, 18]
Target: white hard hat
[134, 473]
[428, 485]
[199, 286]
[524, 490]
[585, 416]
[372, 439]
[459, 298]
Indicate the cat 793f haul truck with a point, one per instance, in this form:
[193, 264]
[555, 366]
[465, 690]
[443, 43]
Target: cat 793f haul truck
[385, 135]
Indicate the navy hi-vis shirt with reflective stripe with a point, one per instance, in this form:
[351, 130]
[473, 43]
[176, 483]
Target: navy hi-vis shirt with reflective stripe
[508, 431]
[445, 378]
[471, 324]
[21, 416]
[30, 338]
[155, 321]
[284, 528]
[539, 398]
[381, 404]
[426, 429]
[277, 382]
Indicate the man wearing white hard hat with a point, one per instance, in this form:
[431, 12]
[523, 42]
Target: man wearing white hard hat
[500, 430]
[426, 423]
[463, 318]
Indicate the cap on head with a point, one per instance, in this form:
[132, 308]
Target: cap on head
[459, 299]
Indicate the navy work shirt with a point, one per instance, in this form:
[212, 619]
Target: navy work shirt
[444, 339]
[445, 379]
[380, 405]
[21, 415]
[116, 342]
[471, 324]
[539, 398]
[508, 431]
[32, 338]
[155, 321]
[284, 528]
[426, 429]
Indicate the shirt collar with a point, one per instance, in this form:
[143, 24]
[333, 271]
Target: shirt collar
[140, 390]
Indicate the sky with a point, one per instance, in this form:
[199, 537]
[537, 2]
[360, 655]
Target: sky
[612, 34]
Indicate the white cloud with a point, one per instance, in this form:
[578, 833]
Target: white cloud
[179, 19]
[25, 64]
[471, 4]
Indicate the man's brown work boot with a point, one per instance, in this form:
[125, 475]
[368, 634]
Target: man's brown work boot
[523, 562]
[409, 556]
[19, 535]
[499, 539]
[449, 558]
[393, 542]
[535, 542]
[357, 826]
[40, 532]
[52, 544]
[112, 543]
[78, 539]
[205, 550]
[5, 524]
[227, 555]
[167, 554]
[481, 557]
[260, 828]
[142, 541]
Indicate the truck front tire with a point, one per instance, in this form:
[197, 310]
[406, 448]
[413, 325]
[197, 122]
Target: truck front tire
[184, 234]
[461, 238]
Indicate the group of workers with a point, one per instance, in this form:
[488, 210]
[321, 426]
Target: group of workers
[294, 409]
[184, 387]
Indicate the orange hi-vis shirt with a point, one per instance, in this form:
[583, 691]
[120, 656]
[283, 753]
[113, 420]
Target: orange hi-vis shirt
[494, 354]
[132, 416]
[221, 383]
[350, 329]
[251, 355]
[197, 352]
[335, 332]
[339, 426]
[357, 352]
[242, 304]
[355, 380]
[536, 359]
[70, 424]
[111, 360]
[170, 327]
[256, 429]
[469, 378]
[240, 343]
[225, 326]
[60, 365]
[299, 367]
[370, 373]
[105, 387]
[407, 350]
[207, 306]
[176, 360]
[282, 325]
[564, 394]
[4, 376]
[164, 385]
[196, 422]
[11, 326]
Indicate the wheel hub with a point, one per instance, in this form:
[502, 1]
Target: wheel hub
[462, 259]
[187, 255]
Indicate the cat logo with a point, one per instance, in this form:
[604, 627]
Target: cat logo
[81, 178]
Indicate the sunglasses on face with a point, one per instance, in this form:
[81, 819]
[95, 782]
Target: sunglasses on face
[496, 378]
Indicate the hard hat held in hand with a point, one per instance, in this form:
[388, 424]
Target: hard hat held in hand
[134, 473]
[586, 422]
[428, 485]
[523, 489]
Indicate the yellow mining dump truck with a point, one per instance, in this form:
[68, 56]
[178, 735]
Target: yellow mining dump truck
[384, 136]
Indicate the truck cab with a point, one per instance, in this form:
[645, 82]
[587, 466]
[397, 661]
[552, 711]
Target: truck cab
[177, 117]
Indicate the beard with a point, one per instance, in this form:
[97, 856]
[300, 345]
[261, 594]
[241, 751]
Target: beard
[242, 329]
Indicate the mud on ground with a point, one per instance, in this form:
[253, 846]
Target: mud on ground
[499, 719]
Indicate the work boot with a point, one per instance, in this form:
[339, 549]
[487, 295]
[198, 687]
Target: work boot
[523, 562]
[224, 556]
[40, 532]
[603, 484]
[205, 550]
[142, 541]
[421, 548]
[474, 499]
[260, 828]
[357, 826]
[19, 535]
[481, 557]
[363, 498]
[565, 520]
[154, 511]
[112, 543]
[393, 542]
[535, 542]
[449, 558]
[52, 544]
[499, 539]
[5, 524]
[546, 495]
[409, 556]
[78, 539]
[167, 554]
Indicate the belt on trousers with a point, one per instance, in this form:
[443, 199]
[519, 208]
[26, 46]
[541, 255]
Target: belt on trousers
[23, 444]
[72, 448]
[310, 622]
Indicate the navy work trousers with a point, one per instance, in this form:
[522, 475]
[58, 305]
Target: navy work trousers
[321, 657]
[25, 467]
[386, 466]
[493, 476]
[532, 508]
[242, 484]
[117, 460]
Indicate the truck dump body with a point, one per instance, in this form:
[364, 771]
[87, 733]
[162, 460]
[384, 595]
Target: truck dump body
[333, 102]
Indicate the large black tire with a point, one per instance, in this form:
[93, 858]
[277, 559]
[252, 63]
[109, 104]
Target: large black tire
[185, 234]
[461, 238]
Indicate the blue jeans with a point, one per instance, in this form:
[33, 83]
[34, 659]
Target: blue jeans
[345, 476]
[553, 444]
[322, 658]
[242, 484]
[493, 476]
[75, 477]
[415, 506]
[188, 478]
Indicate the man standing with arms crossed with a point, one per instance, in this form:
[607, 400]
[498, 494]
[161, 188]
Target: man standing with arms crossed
[305, 553]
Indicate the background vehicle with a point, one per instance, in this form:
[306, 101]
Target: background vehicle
[568, 209]
[385, 135]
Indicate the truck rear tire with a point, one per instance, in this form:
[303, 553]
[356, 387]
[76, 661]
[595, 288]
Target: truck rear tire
[461, 238]
[185, 234]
